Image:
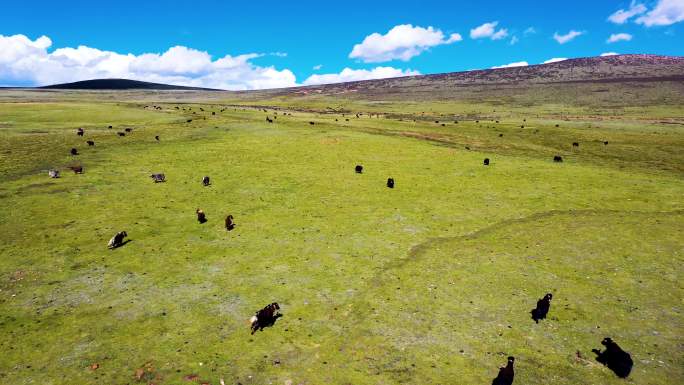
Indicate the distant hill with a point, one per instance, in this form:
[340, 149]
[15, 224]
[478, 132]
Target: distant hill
[121, 84]
[600, 69]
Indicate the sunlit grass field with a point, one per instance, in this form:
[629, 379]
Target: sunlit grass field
[431, 282]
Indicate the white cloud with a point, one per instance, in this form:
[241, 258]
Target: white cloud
[488, 30]
[350, 75]
[24, 62]
[515, 64]
[400, 43]
[666, 12]
[609, 54]
[555, 60]
[614, 38]
[562, 39]
[317, 67]
[514, 40]
[621, 16]
[530, 31]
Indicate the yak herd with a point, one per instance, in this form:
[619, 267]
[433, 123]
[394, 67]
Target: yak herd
[616, 359]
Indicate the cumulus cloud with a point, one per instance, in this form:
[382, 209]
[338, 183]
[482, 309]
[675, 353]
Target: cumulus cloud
[614, 38]
[317, 67]
[530, 31]
[622, 15]
[514, 40]
[555, 59]
[488, 30]
[400, 43]
[515, 64]
[609, 54]
[666, 12]
[26, 62]
[350, 75]
[562, 39]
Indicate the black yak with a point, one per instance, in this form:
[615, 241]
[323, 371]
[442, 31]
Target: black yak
[74, 151]
[77, 169]
[506, 374]
[358, 169]
[117, 240]
[156, 137]
[543, 306]
[201, 217]
[128, 129]
[205, 181]
[558, 158]
[79, 132]
[390, 182]
[312, 123]
[121, 133]
[605, 143]
[90, 143]
[158, 178]
[265, 317]
[229, 223]
[486, 161]
[575, 144]
[616, 359]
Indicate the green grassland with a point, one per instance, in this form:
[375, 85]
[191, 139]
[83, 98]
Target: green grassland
[427, 283]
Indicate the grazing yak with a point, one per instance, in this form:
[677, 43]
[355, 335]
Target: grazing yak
[312, 123]
[205, 181]
[201, 217]
[486, 161]
[79, 132]
[156, 137]
[128, 129]
[77, 169]
[358, 169]
[53, 173]
[558, 158]
[575, 144]
[117, 240]
[269, 120]
[616, 359]
[390, 182]
[605, 143]
[506, 374]
[229, 223]
[74, 151]
[121, 133]
[158, 178]
[543, 306]
[90, 143]
[265, 317]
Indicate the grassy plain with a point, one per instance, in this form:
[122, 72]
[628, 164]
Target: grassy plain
[428, 283]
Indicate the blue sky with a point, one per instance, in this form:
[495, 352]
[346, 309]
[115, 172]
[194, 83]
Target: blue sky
[277, 43]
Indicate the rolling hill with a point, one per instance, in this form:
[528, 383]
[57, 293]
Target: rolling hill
[121, 84]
